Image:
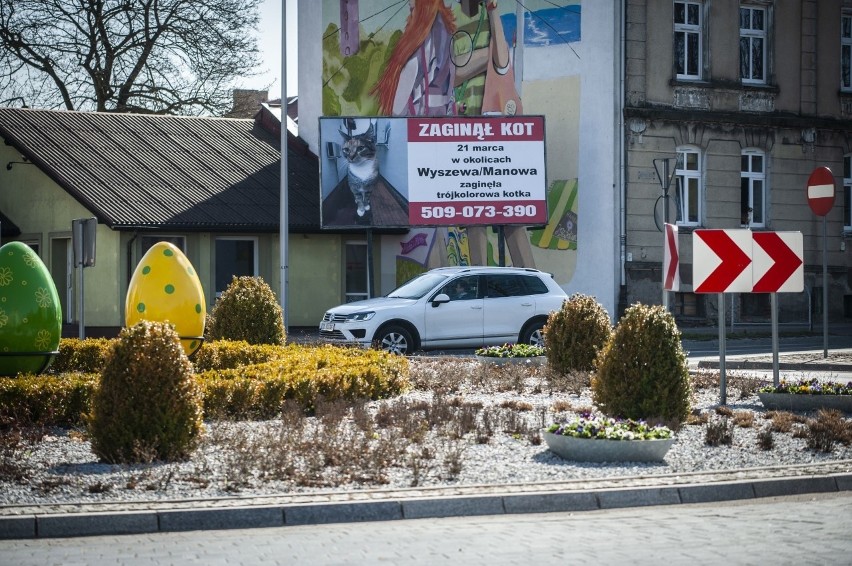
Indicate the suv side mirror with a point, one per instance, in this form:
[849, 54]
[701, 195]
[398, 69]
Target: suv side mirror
[439, 299]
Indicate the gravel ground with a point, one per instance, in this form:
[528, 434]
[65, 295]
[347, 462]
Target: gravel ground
[247, 458]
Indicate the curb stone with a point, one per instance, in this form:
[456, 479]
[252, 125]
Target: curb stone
[786, 366]
[499, 501]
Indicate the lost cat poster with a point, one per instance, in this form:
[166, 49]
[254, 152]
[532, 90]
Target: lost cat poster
[447, 59]
[481, 170]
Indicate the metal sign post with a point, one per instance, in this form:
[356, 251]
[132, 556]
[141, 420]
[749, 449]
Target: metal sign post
[723, 382]
[665, 173]
[824, 290]
[821, 193]
[83, 235]
[776, 380]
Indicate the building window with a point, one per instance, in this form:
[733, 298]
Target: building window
[235, 257]
[752, 45]
[847, 192]
[688, 182]
[357, 276]
[688, 305]
[846, 52]
[146, 242]
[753, 189]
[687, 40]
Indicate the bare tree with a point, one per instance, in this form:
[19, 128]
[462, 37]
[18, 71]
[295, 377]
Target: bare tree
[145, 56]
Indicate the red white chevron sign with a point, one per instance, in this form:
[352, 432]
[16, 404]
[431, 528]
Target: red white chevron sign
[719, 261]
[778, 266]
[742, 261]
[671, 260]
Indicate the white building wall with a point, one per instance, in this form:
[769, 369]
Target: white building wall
[596, 154]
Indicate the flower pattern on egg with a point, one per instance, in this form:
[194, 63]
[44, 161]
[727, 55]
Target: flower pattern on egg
[43, 339]
[30, 260]
[4, 318]
[42, 297]
[5, 276]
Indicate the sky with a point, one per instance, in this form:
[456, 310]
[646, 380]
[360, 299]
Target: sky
[269, 43]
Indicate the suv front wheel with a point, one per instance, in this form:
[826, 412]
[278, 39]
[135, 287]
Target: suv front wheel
[533, 334]
[394, 339]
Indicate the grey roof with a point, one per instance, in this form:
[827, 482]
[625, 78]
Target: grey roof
[136, 171]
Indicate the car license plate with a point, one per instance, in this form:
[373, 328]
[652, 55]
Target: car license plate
[327, 326]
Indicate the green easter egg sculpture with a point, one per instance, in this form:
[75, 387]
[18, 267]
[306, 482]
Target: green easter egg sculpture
[30, 313]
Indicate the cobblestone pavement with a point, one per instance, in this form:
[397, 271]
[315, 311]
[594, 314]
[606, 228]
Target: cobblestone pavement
[812, 529]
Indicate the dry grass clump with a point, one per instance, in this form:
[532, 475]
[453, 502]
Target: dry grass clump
[746, 385]
[743, 419]
[828, 428]
[719, 432]
[783, 421]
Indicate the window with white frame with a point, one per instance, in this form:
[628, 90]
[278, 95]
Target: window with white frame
[235, 257]
[688, 40]
[753, 188]
[752, 45]
[846, 52]
[688, 182]
[847, 192]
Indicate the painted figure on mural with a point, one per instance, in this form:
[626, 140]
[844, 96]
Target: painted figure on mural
[429, 61]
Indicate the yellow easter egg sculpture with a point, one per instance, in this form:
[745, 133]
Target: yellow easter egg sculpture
[166, 288]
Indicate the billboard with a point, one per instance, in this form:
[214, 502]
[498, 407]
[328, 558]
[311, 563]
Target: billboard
[427, 171]
[455, 62]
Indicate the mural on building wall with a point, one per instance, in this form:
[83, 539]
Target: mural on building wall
[455, 58]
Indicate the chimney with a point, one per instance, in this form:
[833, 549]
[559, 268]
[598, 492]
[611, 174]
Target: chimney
[247, 103]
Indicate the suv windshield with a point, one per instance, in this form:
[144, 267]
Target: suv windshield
[417, 287]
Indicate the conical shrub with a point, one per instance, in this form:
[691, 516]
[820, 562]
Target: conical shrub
[147, 406]
[642, 372]
[575, 333]
[247, 310]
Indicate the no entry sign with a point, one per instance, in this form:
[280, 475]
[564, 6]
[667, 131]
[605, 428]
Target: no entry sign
[821, 191]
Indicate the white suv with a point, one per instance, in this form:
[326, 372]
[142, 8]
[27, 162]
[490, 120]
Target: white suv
[450, 307]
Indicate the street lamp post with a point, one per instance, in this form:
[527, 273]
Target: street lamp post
[665, 168]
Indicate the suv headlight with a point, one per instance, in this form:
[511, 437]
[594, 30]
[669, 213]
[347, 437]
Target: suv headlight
[360, 316]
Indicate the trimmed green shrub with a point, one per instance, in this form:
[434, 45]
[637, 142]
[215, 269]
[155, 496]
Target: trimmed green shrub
[304, 375]
[148, 405]
[254, 390]
[87, 356]
[247, 310]
[642, 372]
[576, 333]
[230, 354]
[46, 400]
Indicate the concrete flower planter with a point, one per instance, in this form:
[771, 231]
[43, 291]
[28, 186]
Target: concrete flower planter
[804, 402]
[601, 450]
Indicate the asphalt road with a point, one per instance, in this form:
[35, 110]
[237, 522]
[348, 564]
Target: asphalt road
[812, 529]
[763, 344]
